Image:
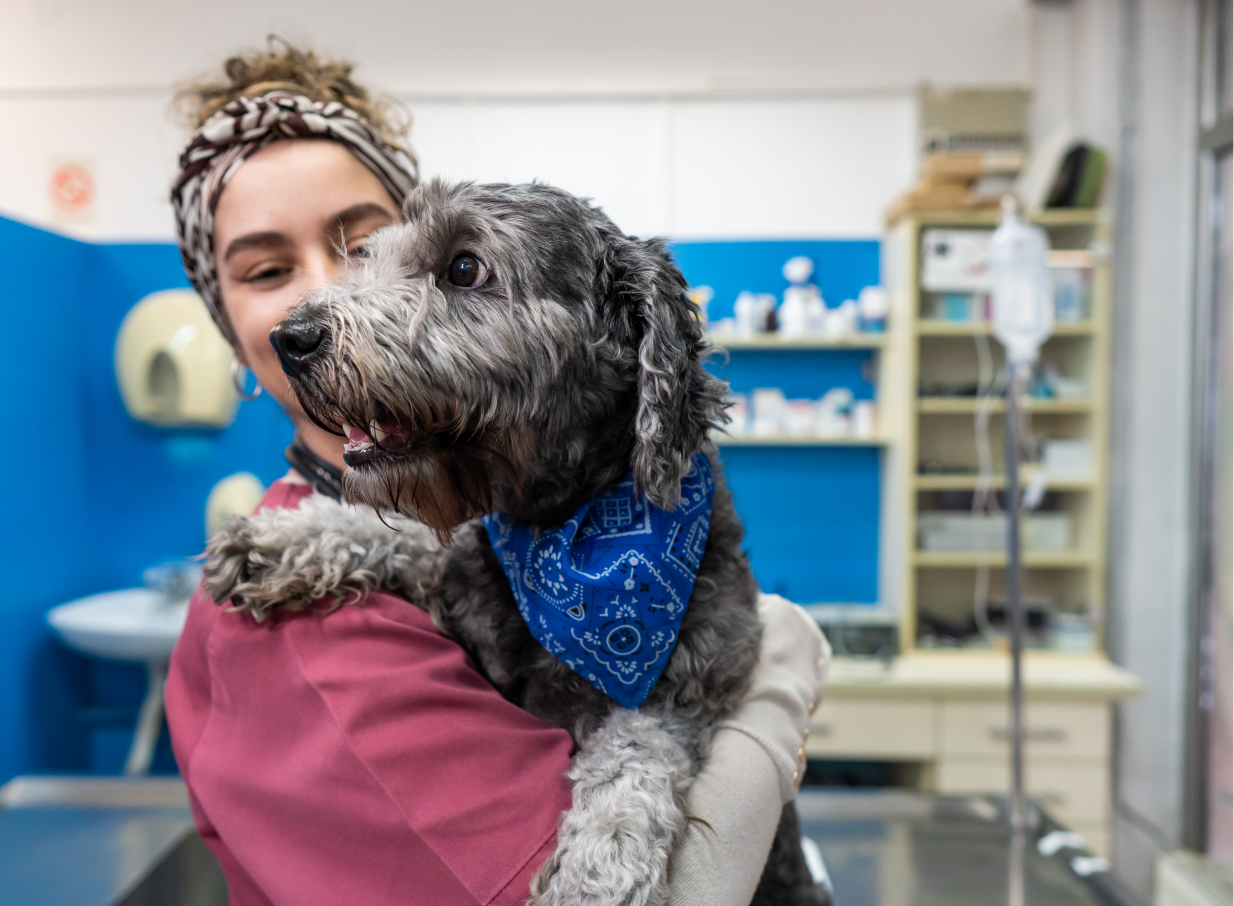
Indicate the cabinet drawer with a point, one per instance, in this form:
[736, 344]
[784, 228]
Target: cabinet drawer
[981, 728]
[1072, 792]
[873, 729]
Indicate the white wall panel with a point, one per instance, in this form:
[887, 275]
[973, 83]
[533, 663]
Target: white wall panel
[610, 151]
[821, 167]
[788, 168]
[443, 136]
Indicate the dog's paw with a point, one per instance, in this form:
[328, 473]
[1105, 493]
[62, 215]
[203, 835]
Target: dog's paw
[601, 878]
[613, 845]
[321, 554]
[243, 566]
[608, 856]
[227, 564]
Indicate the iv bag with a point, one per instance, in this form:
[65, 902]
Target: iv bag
[1022, 294]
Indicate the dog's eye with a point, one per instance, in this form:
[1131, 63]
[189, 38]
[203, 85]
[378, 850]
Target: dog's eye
[467, 270]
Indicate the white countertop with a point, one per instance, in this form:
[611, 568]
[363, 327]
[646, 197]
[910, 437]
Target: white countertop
[980, 675]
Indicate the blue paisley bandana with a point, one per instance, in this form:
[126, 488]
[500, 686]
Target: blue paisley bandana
[605, 593]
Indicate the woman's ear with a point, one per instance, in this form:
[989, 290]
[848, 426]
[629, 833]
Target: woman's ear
[678, 401]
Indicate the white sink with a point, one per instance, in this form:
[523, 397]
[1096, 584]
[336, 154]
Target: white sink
[135, 624]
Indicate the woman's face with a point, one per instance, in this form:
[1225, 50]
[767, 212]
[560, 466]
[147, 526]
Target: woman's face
[280, 229]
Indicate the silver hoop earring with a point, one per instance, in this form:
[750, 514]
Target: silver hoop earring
[238, 375]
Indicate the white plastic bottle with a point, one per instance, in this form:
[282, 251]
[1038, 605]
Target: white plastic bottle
[749, 314]
[795, 313]
[1023, 300]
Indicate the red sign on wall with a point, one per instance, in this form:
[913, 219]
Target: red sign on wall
[71, 188]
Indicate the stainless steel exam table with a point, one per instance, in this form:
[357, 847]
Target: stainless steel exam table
[98, 841]
[91, 841]
[893, 848]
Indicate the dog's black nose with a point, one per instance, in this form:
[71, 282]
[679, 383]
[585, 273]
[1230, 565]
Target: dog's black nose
[296, 341]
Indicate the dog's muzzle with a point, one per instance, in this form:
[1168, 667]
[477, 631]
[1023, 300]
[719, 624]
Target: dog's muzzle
[296, 341]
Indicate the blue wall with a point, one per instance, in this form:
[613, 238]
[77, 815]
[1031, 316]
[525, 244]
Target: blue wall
[94, 497]
[810, 513]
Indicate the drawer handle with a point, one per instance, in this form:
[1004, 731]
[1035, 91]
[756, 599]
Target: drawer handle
[1031, 734]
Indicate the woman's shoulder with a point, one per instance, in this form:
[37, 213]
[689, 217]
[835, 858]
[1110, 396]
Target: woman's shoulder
[286, 493]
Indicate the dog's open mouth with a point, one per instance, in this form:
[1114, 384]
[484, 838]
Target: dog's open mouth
[362, 446]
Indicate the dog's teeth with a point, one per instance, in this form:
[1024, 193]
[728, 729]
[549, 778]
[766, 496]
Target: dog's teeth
[346, 429]
[378, 434]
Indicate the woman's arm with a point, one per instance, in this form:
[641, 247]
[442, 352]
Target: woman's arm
[754, 766]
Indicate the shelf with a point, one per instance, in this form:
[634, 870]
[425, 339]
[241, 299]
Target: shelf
[938, 327]
[967, 404]
[772, 341]
[1067, 217]
[992, 217]
[922, 673]
[1031, 560]
[786, 440]
[969, 482]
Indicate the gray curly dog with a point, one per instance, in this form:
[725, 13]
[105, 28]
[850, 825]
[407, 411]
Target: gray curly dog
[508, 349]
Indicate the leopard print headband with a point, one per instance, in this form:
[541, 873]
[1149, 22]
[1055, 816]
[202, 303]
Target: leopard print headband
[237, 132]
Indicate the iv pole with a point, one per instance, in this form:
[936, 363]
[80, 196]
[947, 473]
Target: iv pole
[1023, 318]
[1017, 625]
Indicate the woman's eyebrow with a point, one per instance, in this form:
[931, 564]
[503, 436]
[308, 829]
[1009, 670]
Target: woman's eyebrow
[341, 221]
[268, 239]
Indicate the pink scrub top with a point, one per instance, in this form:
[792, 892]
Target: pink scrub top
[358, 757]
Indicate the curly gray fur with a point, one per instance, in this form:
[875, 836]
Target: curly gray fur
[630, 783]
[323, 551]
[577, 362]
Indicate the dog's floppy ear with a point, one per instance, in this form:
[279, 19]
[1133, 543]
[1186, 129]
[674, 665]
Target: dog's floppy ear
[678, 401]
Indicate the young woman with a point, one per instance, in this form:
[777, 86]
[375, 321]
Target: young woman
[355, 755]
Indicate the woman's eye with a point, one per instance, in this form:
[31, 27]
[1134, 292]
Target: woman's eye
[267, 274]
[359, 251]
[467, 270]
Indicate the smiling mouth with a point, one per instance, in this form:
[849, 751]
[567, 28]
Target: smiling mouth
[361, 446]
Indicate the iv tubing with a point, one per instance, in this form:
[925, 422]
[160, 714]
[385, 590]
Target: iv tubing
[1017, 626]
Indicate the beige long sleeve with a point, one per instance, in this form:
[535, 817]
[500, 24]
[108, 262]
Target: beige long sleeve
[754, 766]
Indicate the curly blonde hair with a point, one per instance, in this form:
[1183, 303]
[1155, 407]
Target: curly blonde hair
[281, 66]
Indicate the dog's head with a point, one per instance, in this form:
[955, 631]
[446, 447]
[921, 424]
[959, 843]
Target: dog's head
[506, 346]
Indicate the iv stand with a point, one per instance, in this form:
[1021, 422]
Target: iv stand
[1017, 625]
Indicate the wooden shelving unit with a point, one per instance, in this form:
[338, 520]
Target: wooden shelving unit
[789, 440]
[949, 560]
[945, 708]
[970, 405]
[997, 482]
[860, 340]
[936, 327]
[932, 439]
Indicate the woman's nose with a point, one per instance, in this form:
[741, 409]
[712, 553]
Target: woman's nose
[296, 340]
[321, 265]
